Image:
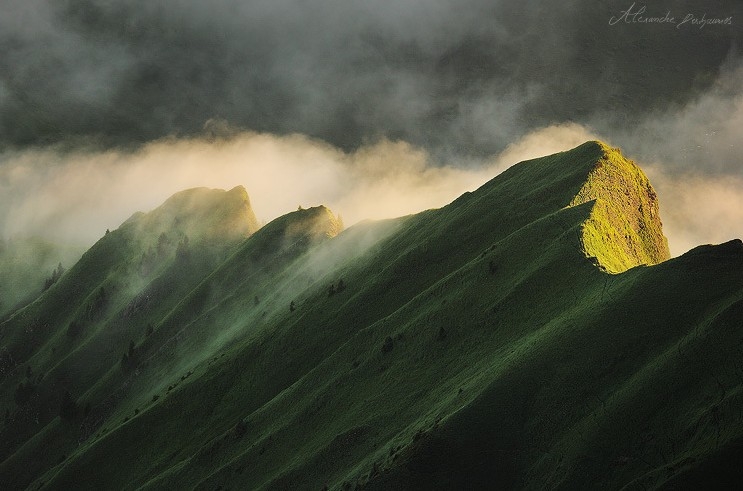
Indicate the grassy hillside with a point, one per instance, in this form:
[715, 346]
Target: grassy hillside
[28, 266]
[530, 335]
[75, 336]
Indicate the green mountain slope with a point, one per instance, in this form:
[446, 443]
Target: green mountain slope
[532, 334]
[72, 338]
[28, 266]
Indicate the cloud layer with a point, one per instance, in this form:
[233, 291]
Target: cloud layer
[373, 108]
[455, 77]
[74, 197]
[78, 195]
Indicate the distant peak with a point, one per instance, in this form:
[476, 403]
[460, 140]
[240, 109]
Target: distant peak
[203, 212]
[239, 191]
[318, 221]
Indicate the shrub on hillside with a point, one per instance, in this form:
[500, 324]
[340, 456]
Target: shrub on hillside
[56, 275]
[442, 333]
[183, 252]
[239, 429]
[23, 393]
[387, 345]
[68, 407]
[74, 329]
[97, 304]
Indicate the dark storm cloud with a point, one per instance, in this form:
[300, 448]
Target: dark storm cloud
[456, 77]
[354, 103]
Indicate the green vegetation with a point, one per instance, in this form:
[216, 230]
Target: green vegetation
[473, 346]
[624, 229]
[28, 267]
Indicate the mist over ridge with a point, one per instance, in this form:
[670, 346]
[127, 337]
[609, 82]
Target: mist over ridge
[72, 197]
[403, 103]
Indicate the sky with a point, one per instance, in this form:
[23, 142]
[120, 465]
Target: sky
[374, 108]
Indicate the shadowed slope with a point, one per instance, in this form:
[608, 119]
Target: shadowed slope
[474, 346]
[73, 336]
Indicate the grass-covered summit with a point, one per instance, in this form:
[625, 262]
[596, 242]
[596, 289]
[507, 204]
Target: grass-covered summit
[504, 341]
[201, 213]
[624, 229]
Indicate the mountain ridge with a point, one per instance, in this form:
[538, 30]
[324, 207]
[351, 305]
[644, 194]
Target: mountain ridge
[190, 209]
[475, 345]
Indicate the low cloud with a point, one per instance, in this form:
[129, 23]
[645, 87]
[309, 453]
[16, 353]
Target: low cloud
[76, 196]
[692, 155]
[73, 197]
[545, 141]
[698, 209]
[702, 136]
